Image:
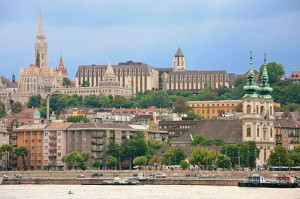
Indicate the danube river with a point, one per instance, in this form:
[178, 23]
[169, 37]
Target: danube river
[142, 191]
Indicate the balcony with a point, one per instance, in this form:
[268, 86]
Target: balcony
[294, 135]
[52, 155]
[96, 149]
[52, 136]
[98, 142]
[53, 143]
[52, 150]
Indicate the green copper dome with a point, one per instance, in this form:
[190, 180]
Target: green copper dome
[251, 88]
[265, 89]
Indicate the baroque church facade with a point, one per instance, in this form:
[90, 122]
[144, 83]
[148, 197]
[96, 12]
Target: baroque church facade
[258, 114]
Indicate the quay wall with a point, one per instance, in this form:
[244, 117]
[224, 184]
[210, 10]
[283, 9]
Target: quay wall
[129, 173]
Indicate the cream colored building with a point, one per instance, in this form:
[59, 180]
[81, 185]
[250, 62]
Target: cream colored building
[139, 75]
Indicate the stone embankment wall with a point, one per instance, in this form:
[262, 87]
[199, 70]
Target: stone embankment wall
[128, 173]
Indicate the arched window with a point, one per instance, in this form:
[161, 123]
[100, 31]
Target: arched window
[262, 109]
[271, 110]
[271, 132]
[248, 132]
[248, 109]
[257, 111]
[257, 132]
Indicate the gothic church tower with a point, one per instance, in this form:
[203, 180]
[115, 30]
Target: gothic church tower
[179, 61]
[258, 114]
[41, 47]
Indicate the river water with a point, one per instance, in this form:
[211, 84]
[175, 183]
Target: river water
[142, 191]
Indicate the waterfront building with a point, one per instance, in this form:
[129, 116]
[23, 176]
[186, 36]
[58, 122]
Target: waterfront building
[31, 137]
[177, 128]
[178, 79]
[287, 131]
[54, 145]
[295, 77]
[211, 109]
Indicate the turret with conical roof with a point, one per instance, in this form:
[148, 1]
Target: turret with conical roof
[251, 88]
[179, 61]
[265, 89]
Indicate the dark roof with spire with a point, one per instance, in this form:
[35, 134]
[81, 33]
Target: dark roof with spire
[179, 53]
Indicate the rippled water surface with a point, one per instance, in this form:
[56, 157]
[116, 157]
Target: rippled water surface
[142, 191]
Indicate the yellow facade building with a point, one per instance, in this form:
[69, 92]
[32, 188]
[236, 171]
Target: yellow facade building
[211, 109]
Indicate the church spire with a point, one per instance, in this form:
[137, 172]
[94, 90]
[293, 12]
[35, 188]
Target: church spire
[178, 61]
[40, 32]
[251, 88]
[265, 89]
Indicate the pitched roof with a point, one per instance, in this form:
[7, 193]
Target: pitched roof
[30, 127]
[228, 130]
[11, 84]
[58, 126]
[98, 126]
[285, 123]
[178, 53]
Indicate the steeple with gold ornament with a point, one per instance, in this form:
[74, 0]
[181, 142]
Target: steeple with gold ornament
[265, 89]
[41, 47]
[251, 88]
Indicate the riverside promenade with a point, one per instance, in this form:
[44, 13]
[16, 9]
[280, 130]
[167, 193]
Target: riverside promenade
[216, 178]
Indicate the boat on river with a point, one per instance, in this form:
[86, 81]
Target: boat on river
[259, 181]
[121, 181]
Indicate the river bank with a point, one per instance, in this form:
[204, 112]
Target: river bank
[217, 178]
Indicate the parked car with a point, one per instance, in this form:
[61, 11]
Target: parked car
[81, 176]
[152, 175]
[115, 174]
[175, 175]
[187, 175]
[135, 175]
[18, 176]
[4, 177]
[211, 176]
[160, 175]
[95, 175]
[193, 175]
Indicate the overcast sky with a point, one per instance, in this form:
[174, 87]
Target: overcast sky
[213, 34]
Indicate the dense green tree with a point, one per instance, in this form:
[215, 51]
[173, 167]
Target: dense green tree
[203, 156]
[92, 101]
[115, 150]
[253, 154]
[295, 156]
[34, 101]
[21, 152]
[140, 161]
[17, 107]
[111, 161]
[77, 119]
[275, 72]
[179, 105]
[136, 146]
[85, 84]
[96, 164]
[66, 82]
[2, 109]
[104, 101]
[223, 161]
[6, 149]
[280, 157]
[198, 140]
[121, 102]
[173, 156]
[194, 116]
[184, 164]
[160, 99]
[155, 160]
[240, 80]
[75, 157]
[211, 95]
[155, 144]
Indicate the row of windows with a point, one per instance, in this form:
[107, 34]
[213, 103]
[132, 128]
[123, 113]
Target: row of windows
[262, 110]
[213, 111]
[202, 105]
[249, 134]
[33, 134]
[33, 140]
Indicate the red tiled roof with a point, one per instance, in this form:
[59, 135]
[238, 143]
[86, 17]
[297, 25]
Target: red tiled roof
[61, 126]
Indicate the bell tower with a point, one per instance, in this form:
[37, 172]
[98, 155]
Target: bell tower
[179, 61]
[258, 114]
[41, 47]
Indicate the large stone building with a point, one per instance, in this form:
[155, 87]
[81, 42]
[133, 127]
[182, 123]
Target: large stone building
[108, 85]
[179, 79]
[139, 75]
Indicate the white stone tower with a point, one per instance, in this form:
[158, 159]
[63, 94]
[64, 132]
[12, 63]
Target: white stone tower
[41, 47]
[258, 114]
[179, 61]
